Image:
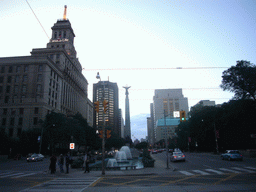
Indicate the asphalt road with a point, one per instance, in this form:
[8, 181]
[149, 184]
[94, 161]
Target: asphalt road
[199, 169]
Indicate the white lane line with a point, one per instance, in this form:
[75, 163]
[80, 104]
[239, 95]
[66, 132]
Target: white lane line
[186, 173]
[201, 172]
[7, 172]
[229, 170]
[215, 171]
[10, 175]
[24, 175]
[241, 169]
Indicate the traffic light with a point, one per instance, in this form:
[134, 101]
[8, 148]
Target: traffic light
[101, 134]
[182, 116]
[97, 106]
[105, 105]
[108, 133]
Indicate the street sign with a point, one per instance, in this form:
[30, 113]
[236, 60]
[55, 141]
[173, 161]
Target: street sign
[72, 146]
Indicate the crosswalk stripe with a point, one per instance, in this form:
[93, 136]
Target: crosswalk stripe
[251, 168]
[186, 173]
[10, 175]
[201, 172]
[229, 170]
[24, 175]
[215, 171]
[241, 169]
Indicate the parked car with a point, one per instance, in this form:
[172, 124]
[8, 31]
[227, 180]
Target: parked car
[232, 155]
[178, 156]
[35, 158]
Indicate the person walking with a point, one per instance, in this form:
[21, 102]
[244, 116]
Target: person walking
[61, 163]
[53, 161]
[67, 160]
[87, 162]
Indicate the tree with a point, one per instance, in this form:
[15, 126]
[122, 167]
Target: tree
[240, 79]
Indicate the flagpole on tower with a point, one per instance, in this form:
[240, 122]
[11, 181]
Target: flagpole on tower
[65, 13]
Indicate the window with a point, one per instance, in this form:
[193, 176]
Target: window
[6, 99]
[17, 78]
[3, 69]
[40, 68]
[16, 89]
[36, 110]
[9, 79]
[1, 79]
[10, 69]
[1, 89]
[21, 111]
[55, 35]
[8, 88]
[50, 91]
[26, 69]
[52, 94]
[13, 112]
[39, 78]
[22, 99]
[49, 101]
[56, 95]
[57, 56]
[19, 132]
[53, 84]
[11, 132]
[17, 69]
[24, 88]
[39, 88]
[56, 87]
[25, 78]
[50, 82]
[35, 121]
[4, 121]
[14, 99]
[65, 34]
[5, 111]
[20, 121]
[12, 121]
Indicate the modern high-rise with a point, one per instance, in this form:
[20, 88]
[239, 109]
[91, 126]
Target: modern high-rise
[50, 79]
[167, 101]
[105, 90]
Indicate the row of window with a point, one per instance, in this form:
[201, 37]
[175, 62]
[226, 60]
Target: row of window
[11, 131]
[22, 88]
[18, 68]
[19, 111]
[17, 78]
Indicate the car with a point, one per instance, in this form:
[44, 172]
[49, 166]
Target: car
[35, 158]
[41, 156]
[154, 151]
[232, 155]
[178, 156]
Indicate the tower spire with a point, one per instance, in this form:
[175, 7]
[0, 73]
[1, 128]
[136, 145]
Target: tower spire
[65, 13]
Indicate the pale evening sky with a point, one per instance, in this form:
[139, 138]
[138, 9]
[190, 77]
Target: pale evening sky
[161, 44]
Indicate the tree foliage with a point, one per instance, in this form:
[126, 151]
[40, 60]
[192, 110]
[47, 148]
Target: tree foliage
[240, 79]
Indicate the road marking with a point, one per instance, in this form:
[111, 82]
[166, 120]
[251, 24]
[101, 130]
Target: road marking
[24, 175]
[207, 166]
[241, 169]
[251, 168]
[9, 175]
[186, 173]
[201, 172]
[6, 172]
[229, 170]
[215, 171]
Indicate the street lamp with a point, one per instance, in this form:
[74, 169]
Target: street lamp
[103, 129]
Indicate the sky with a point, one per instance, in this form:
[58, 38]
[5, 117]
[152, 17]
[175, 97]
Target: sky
[146, 44]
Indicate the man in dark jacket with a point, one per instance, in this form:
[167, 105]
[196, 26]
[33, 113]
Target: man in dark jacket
[67, 160]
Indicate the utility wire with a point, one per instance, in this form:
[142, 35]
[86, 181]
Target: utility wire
[163, 68]
[37, 19]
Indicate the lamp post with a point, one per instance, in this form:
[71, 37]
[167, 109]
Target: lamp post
[166, 145]
[103, 129]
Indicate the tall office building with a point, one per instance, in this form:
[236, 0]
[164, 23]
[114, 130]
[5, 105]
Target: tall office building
[167, 101]
[108, 91]
[50, 79]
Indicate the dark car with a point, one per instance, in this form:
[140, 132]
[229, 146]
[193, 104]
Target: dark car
[35, 158]
[232, 155]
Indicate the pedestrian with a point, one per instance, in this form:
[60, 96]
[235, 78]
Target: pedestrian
[85, 158]
[67, 160]
[61, 163]
[87, 161]
[53, 161]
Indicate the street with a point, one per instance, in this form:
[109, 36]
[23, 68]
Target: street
[200, 172]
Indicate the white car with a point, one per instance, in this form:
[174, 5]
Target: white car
[178, 156]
